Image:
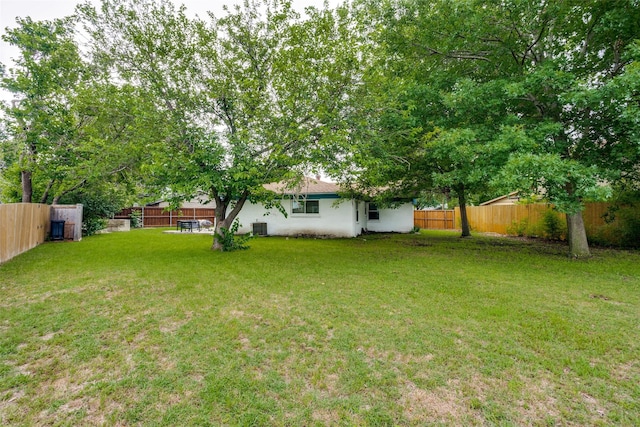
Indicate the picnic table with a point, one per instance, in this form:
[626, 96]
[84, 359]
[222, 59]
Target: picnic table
[188, 224]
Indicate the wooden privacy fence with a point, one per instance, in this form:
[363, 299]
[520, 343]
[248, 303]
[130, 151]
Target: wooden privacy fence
[23, 226]
[437, 219]
[159, 217]
[503, 218]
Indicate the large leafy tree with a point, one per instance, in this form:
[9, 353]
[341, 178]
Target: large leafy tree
[563, 92]
[67, 127]
[42, 80]
[246, 99]
[464, 149]
[428, 129]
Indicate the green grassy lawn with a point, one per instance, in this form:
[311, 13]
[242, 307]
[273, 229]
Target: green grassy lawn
[145, 328]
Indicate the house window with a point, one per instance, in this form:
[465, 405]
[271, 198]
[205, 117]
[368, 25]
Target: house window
[305, 206]
[374, 214]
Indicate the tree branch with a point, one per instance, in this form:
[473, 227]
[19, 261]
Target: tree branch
[45, 195]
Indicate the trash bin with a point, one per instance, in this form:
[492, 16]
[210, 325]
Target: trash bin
[57, 230]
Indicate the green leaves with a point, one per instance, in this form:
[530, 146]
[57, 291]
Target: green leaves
[565, 183]
[42, 81]
[229, 241]
[48, 57]
[256, 96]
[404, 94]
[503, 96]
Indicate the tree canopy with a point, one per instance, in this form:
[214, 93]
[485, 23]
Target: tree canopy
[67, 127]
[534, 96]
[247, 99]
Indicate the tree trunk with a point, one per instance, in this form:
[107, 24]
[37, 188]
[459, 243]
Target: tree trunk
[225, 221]
[217, 244]
[577, 236]
[464, 220]
[27, 188]
[221, 216]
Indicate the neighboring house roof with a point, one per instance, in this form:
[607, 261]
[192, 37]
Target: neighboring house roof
[507, 199]
[307, 186]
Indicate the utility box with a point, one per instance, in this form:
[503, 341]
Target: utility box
[57, 230]
[259, 228]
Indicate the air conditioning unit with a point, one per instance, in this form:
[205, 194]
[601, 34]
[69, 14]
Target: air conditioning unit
[259, 228]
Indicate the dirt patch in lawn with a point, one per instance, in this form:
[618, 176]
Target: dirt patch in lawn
[442, 404]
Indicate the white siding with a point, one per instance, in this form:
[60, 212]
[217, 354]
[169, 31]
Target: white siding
[399, 220]
[333, 220]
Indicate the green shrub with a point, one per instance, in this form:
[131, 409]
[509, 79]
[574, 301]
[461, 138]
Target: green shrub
[630, 229]
[622, 228]
[91, 225]
[553, 227]
[625, 216]
[229, 240]
[519, 228]
[136, 219]
[99, 204]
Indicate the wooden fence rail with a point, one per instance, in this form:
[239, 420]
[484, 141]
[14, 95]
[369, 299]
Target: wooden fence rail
[437, 219]
[159, 217]
[23, 226]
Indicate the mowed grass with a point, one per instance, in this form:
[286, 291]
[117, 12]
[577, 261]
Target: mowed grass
[146, 328]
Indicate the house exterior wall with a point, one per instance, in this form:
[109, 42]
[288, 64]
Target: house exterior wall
[332, 220]
[345, 219]
[398, 220]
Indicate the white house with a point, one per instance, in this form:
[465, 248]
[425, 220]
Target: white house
[317, 209]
